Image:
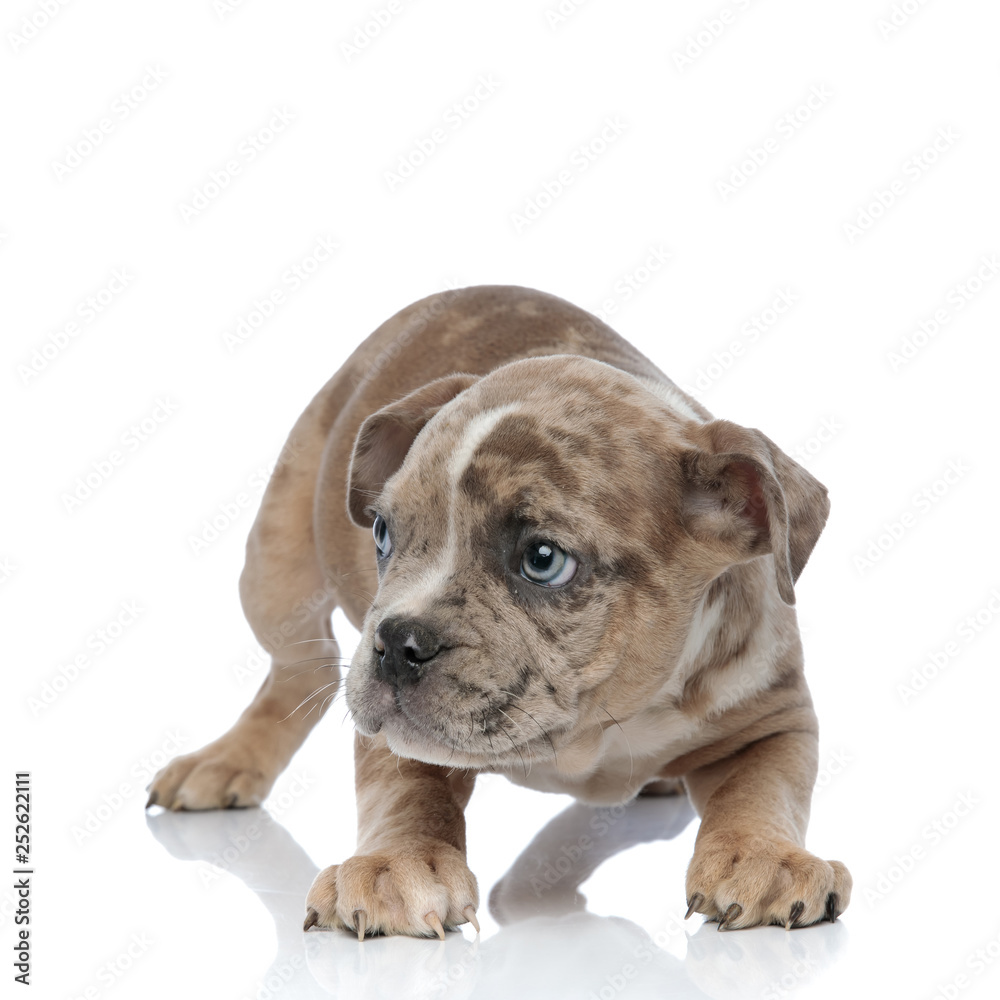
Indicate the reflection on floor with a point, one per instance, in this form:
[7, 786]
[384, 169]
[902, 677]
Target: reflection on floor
[547, 945]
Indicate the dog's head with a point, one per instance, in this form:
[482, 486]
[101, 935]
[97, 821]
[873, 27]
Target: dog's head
[543, 537]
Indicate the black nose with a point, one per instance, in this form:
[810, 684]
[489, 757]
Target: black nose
[403, 646]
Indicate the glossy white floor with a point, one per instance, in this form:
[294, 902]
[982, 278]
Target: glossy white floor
[790, 208]
[211, 905]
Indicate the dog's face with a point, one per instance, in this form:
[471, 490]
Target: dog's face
[543, 536]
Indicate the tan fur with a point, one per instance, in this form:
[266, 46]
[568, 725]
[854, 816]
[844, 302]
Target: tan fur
[476, 422]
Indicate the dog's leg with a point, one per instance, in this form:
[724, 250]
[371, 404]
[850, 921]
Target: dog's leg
[288, 605]
[750, 866]
[409, 874]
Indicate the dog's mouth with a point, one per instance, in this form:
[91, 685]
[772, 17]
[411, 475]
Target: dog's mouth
[486, 735]
[408, 740]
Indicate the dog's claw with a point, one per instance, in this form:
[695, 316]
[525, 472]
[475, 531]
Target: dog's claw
[434, 922]
[831, 907]
[470, 914]
[153, 799]
[361, 923]
[734, 912]
[693, 903]
[231, 801]
[797, 910]
[312, 918]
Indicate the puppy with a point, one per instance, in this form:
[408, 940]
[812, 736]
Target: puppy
[563, 569]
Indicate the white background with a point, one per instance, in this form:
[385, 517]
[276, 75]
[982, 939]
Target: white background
[908, 795]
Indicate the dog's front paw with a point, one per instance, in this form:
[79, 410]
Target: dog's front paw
[419, 889]
[743, 881]
[222, 775]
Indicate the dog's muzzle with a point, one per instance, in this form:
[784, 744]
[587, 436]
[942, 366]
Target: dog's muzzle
[404, 646]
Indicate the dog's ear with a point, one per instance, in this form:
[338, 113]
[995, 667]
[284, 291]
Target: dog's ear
[745, 497]
[386, 436]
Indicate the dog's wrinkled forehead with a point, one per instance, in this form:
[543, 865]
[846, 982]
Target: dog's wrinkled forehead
[552, 439]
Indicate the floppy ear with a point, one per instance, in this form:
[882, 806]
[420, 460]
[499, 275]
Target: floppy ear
[386, 436]
[745, 497]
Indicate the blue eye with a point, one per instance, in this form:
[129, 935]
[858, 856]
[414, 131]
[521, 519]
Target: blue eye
[547, 565]
[380, 531]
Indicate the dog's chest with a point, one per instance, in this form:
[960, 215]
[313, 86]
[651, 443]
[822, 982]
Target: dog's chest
[607, 766]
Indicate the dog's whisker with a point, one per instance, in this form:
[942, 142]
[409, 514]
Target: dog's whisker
[308, 670]
[331, 660]
[329, 700]
[541, 729]
[309, 697]
[513, 723]
[524, 766]
[627, 743]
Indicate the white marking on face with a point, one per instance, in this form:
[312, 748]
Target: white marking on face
[433, 578]
[475, 433]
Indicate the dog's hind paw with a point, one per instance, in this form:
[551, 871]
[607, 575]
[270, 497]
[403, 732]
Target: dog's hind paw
[421, 889]
[744, 881]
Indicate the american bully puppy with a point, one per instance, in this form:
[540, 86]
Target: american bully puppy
[578, 578]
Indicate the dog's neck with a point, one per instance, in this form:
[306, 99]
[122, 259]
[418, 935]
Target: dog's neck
[741, 640]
